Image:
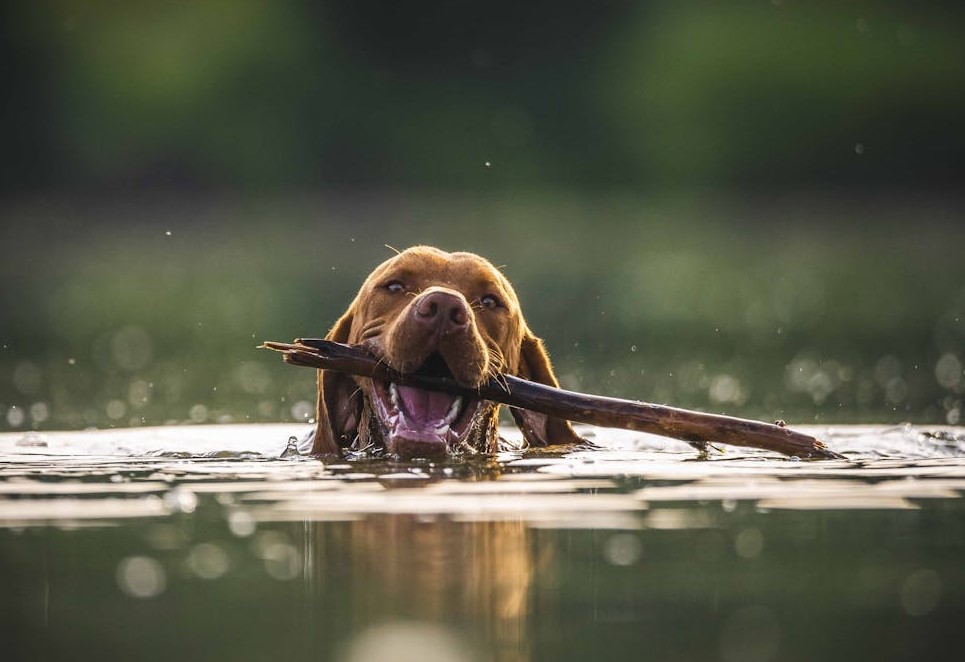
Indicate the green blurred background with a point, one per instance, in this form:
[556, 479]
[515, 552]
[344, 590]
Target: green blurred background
[747, 207]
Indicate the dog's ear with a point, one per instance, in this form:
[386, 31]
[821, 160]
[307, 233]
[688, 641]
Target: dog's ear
[540, 429]
[339, 403]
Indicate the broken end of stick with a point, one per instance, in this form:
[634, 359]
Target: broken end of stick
[822, 452]
[275, 346]
[796, 444]
[305, 359]
[814, 449]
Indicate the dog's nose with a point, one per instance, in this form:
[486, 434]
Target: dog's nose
[443, 311]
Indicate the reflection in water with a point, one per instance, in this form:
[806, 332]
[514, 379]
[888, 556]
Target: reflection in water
[407, 641]
[474, 576]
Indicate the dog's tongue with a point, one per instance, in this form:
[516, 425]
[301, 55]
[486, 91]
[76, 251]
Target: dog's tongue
[424, 408]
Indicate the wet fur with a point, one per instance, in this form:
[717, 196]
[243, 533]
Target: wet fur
[496, 341]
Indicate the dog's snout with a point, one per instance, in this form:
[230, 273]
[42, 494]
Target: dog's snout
[442, 311]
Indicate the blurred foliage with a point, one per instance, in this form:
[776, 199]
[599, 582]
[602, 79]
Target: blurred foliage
[651, 94]
[743, 206]
[758, 95]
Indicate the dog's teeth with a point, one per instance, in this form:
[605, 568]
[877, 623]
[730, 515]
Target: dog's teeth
[394, 394]
[454, 410]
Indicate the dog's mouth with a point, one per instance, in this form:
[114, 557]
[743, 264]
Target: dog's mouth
[420, 423]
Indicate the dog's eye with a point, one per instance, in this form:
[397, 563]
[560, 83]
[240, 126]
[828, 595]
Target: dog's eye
[395, 287]
[490, 301]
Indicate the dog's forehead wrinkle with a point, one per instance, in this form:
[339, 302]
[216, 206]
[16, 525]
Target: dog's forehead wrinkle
[424, 266]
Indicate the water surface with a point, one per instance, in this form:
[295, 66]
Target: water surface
[201, 542]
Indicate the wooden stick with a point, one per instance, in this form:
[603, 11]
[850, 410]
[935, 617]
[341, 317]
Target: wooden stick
[690, 426]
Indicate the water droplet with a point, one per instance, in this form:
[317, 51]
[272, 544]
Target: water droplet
[15, 416]
[896, 390]
[291, 449]
[207, 561]
[253, 377]
[301, 410]
[622, 549]
[116, 409]
[948, 371]
[181, 499]
[241, 523]
[282, 561]
[141, 577]
[138, 392]
[39, 412]
[749, 543]
[198, 413]
[726, 388]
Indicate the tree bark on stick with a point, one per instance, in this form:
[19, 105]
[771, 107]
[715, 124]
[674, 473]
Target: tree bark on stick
[696, 428]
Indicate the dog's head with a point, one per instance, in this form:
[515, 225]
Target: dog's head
[441, 314]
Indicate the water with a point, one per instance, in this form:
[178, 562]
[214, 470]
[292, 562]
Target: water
[202, 542]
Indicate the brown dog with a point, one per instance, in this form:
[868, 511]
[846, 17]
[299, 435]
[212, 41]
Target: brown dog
[442, 314]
